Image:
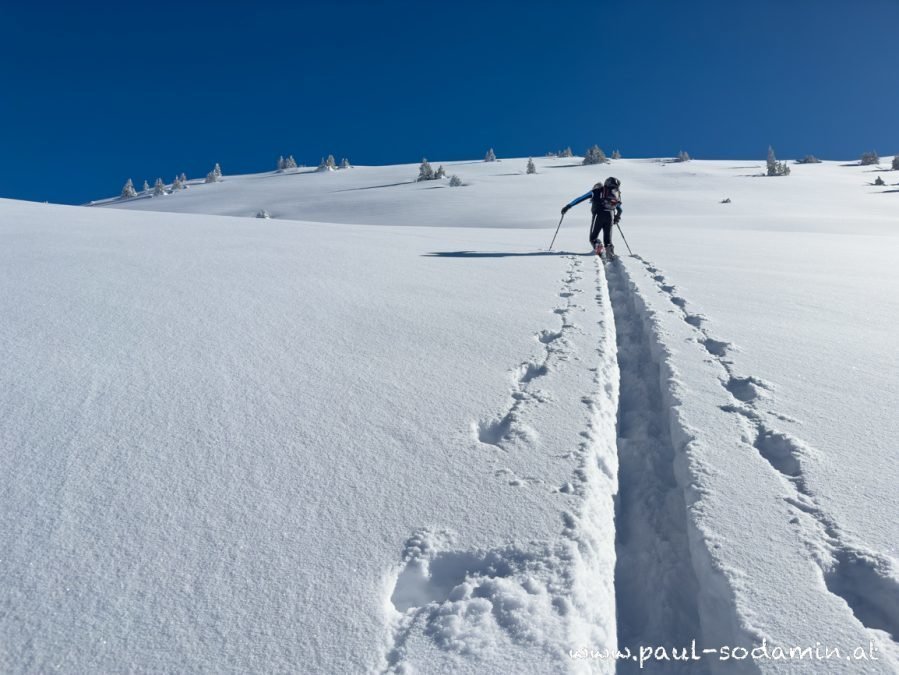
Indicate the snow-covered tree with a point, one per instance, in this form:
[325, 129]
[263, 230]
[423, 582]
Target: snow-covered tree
[345, 164]
[455, 181]
[327, 164]
[159, 188]
[566, 152]
[616, 154]
[128, 191]
[896, 163]
[211, 177]
[184, 179]
[285, 164]
[869, 158]
[425, 172]
[808, 159]
[879, 181]
[146, 188]
[263, 214]
[490, 156]
[776, 168]
[531, 168]
[177, 184]
[217, 170]
[440, 173]
[595, 155]
[683, 156]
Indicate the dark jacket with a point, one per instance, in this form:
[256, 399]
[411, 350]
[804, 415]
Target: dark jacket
[603, 198]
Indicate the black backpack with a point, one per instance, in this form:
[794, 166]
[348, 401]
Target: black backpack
[605, 198]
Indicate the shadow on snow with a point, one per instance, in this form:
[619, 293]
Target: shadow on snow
[499, 254]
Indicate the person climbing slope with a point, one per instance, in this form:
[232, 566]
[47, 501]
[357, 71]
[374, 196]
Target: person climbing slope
[606, 210]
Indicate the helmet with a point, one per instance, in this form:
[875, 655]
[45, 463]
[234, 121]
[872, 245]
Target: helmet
[612, 182]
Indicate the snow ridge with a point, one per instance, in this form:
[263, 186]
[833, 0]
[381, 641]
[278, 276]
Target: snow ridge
[867, 581]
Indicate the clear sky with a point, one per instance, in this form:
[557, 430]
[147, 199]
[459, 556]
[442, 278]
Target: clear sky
[94, 93]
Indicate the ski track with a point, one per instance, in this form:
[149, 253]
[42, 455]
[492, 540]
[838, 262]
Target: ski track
[467, 601]
[867, 581]
[656, 586]
[547, 595]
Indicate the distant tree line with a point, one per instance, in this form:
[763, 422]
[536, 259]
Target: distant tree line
[561, 153]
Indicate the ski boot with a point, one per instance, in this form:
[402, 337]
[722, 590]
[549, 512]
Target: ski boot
[610, 252]
[598, 249]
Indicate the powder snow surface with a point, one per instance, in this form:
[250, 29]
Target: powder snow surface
[345, 440]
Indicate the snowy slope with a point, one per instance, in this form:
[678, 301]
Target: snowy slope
[350, 442]
[499, 194]
[235, 445]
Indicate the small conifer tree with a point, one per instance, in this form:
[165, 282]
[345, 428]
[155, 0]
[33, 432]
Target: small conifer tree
[869, 158]
[455, 181]
[159, 188]
[595, 155]
[616, 155]
[440, 173]
[345, 164]
[425, 172]
[128, 191]
[683, 156]
[146, 188]
[531, 168]
[217, 170]
[566, 152]
[490, 156]
[776, 168]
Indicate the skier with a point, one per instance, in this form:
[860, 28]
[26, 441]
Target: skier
[606, 208]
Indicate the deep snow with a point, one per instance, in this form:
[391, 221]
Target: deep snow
[353, 442]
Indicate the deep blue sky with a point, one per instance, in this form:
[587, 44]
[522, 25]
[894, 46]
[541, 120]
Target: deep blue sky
[94, 93]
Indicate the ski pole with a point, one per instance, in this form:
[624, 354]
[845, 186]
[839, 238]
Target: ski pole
[557, 232]
[623, 239]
